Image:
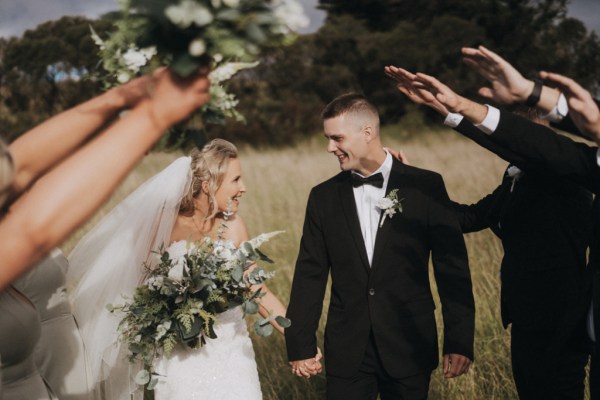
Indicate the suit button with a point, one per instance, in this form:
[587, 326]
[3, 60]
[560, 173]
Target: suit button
[372, 292]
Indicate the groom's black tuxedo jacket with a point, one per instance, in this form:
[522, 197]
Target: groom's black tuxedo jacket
[392, 298]
[542, 147]
[545, 224]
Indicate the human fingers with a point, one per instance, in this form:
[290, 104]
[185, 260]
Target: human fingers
[567, 85]
[486, 92]
[446, 364]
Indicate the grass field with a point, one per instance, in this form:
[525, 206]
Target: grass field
[278, 183]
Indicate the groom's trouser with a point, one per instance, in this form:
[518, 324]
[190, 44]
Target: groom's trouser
[372, 379]
[541, 372]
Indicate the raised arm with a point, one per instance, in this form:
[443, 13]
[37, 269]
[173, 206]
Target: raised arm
[71, 192]
[507, 85]
[50, 142]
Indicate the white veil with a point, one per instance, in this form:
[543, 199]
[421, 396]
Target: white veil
[107, 263]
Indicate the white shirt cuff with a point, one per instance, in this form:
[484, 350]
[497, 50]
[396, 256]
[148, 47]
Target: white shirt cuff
[560, 110]
[453, 120]
[598, 157]
[491, 120]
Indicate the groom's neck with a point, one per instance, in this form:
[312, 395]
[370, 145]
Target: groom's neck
[372, 161]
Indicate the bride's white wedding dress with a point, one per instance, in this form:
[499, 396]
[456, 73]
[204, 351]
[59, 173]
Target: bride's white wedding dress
[224, 368]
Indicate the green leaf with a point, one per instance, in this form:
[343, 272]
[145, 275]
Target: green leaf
[136, 348]
[263, 256]
[237, 273]
[263, 330]
[110, 307]
[229, 15]
[185, 65]
[142, 377]
[250, 307]
[152, 384]
[255, 33]
[283, 322]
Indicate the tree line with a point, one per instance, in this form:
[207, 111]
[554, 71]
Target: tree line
[51, 68]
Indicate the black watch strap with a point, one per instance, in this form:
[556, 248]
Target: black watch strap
[534, 97]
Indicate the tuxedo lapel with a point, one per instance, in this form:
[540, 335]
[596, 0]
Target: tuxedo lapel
[384, 231]
[349, 210]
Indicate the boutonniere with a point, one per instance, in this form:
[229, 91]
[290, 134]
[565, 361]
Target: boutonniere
[390, 205]
[515, 174]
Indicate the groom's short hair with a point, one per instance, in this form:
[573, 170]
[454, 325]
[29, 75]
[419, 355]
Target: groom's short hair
[349, 103]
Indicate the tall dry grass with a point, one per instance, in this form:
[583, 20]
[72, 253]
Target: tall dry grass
[278, 183]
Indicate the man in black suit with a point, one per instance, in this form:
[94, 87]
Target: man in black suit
[545, 224]
[381, 333]
[546, 151]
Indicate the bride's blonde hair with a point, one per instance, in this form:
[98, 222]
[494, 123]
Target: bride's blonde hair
[7, 171]
[208, 165]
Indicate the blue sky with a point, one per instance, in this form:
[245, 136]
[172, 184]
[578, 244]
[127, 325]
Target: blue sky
[18, 15]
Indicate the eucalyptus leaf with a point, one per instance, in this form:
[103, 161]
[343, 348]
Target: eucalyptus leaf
[152, 384]
[255, 33]
[263, 330]
[283, 322]
[237, 273]
[228, 15]
[250, 307]
[185, 65]
[142, 377]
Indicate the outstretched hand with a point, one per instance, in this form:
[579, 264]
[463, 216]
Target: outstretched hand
[309, 367]
[582, 108]
[455, 365]
[508, 86]
[413, 89]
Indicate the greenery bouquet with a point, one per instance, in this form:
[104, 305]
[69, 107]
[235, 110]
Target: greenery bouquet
[187, 35]
[180, 299]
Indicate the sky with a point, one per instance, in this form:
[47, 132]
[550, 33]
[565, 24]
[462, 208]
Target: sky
[18, 15]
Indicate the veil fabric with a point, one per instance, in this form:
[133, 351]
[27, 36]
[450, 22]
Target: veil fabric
[107, 264]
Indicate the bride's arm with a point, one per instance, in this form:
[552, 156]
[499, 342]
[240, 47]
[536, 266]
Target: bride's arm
[269, 303]
[71, 192]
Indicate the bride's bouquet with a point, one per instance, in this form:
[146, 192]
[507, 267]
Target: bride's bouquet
[224, 35]
[180, 299]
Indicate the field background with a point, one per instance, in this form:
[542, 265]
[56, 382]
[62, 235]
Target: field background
[279, 181]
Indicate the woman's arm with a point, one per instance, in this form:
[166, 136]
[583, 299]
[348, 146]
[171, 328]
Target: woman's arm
[72, 191]
[50, 142]
[269, 303]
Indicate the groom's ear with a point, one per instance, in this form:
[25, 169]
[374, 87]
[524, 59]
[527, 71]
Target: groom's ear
[369, 133]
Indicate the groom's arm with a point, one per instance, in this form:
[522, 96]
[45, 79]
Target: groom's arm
[308, 287]
[451, 269]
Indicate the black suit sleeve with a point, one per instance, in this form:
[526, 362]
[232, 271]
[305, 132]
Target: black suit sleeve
[545, 149]
[308, 287]
[451, 269]
[474, 217]
[469, 130]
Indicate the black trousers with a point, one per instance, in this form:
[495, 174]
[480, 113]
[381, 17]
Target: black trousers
[543, 373]
[372, 379]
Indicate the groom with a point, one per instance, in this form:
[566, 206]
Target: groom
[381, 334]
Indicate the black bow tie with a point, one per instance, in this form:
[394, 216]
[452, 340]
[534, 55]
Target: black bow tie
[375, 180]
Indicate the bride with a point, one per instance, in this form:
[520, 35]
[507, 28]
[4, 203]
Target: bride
[185, 202]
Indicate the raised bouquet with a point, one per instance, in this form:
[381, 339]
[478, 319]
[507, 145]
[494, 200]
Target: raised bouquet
[189, 34]
[180, 300]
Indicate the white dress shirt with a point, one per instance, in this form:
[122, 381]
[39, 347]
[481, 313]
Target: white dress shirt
[366, 197]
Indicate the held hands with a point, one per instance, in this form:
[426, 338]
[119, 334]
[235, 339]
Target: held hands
[309, 367]
[455, 365]
[582, 108]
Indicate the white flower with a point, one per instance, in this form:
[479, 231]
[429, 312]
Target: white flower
[292, 16]
[385, 203]
[188, 12]
[123, 77]
[155, 282]
[162, 329]
[176, 271]
[197, 47]
[260, 239]
[223, 252]
[226, 71]
[135, 59]
[231, 3]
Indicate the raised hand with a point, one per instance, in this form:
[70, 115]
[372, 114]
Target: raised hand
[583, 110]
[414, 90]
[507, 84]
[455, 365]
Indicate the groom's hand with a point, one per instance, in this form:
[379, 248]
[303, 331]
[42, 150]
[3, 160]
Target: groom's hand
[455, 365]
[309, 367]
